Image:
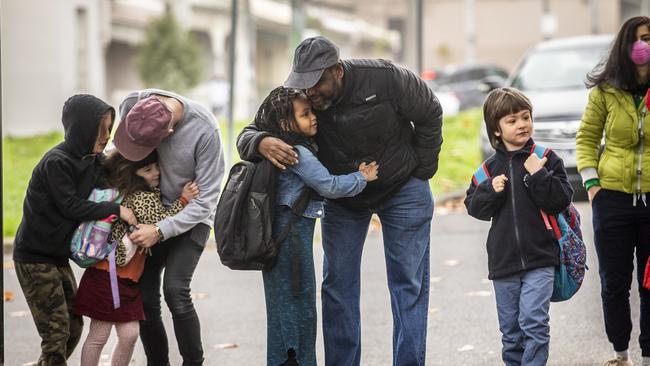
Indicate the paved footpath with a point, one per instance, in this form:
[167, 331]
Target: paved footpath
[462, 325]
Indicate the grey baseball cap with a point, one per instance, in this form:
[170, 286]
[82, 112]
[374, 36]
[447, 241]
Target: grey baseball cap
[312, 57]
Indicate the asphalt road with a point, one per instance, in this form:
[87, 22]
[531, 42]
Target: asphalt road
[462, 327]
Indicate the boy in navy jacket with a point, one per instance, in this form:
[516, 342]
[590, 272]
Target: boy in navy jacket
[522, 252]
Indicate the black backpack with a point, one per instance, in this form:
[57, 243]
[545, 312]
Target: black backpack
[243, 223]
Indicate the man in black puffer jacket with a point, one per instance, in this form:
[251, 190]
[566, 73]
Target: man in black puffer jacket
[368, 110]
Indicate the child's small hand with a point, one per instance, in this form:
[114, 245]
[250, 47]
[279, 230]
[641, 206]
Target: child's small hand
[533, 163]
[127, 215]
[499, 183]
[190, 190]
[369, 171]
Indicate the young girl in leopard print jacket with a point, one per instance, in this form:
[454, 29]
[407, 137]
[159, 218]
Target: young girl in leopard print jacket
[138, 184]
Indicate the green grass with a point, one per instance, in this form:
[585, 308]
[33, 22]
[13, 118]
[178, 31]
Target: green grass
[460, 153]
[19, 156]
[459, 157]
[229, 146]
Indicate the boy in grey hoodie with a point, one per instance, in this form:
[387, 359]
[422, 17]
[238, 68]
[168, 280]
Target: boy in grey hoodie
[187, 139]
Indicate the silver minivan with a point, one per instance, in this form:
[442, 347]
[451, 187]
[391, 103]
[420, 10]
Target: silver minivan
[552, 74]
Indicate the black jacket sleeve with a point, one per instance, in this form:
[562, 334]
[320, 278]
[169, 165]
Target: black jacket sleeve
[482, 201]
[417, 103]
[63, 190]
[248, 140]
[549, 187]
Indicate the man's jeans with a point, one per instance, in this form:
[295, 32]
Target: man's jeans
[178, 256]
[406, 225]
[522, 305]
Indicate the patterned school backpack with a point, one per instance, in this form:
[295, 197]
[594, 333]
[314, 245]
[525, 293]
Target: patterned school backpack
[89, 243]
[566, 228]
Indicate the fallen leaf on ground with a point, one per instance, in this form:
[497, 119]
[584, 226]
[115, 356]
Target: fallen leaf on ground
[226, 345]
[452, 262]
[375, 224]
[199, 295]
[442, 211]
[465, 348]
[18, 314]
[9, 296]
[8, 265]
[479, 293]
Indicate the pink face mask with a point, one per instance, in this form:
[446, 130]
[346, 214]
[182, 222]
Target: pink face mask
[640, 53]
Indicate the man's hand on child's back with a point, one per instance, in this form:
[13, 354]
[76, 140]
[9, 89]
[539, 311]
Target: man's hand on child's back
[127, 215]
[533, 163]
[369, 171]
[499, 183]
[277, 152]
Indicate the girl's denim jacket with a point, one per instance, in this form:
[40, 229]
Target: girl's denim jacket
[309, 171]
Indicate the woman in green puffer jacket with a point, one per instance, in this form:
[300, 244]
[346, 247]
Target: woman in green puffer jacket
[618, 180]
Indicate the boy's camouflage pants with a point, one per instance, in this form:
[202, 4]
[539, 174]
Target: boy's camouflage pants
[50, 293]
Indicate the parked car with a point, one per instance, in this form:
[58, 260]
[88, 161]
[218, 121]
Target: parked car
[470, 83]
[448, 100]
[552, 74]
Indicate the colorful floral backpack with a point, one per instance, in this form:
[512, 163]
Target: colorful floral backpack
[90, 243]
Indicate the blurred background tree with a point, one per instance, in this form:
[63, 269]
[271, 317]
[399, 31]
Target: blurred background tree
[170, 57]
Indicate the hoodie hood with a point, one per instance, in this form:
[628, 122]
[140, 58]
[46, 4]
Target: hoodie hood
[82, 114]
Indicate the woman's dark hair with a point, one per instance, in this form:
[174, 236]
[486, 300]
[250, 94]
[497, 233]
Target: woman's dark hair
[276, 115]
[120, 172]
[618, 66]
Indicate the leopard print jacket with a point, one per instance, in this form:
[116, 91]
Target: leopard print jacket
[148, 208]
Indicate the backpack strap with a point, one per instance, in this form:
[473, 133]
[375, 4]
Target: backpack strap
[295, 264]
[112, 273]
[298, 209]
[539, 150]
[481, 174]
[551, 224]
[549, 220]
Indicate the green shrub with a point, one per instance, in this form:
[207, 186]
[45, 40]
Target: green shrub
[460, 153]
[459, 157]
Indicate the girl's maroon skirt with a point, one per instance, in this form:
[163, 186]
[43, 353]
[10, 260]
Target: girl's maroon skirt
[94, 298]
